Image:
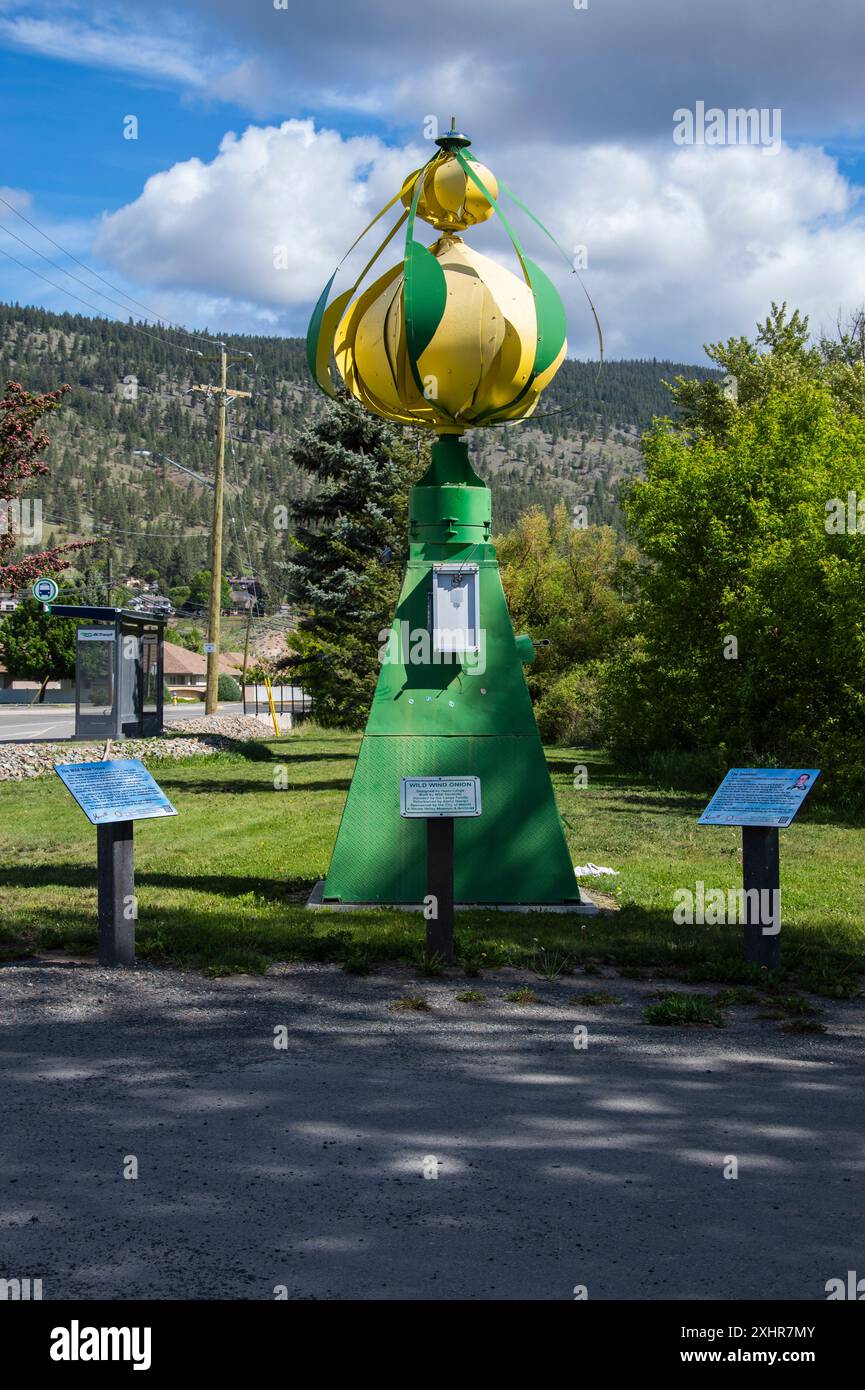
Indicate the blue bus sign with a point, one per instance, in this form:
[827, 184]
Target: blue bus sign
[44, 590]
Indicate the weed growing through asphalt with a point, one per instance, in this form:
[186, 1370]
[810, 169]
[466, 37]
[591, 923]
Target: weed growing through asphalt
[791, 1006]
[470, 996]
[522, 996]
[550, 964]
[684, 1010]
[358, 961]
[803, 1025]
[415, 1002]
[737, 995]
[429, 963]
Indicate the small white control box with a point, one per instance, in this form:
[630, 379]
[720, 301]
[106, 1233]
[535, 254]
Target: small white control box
[455, 609]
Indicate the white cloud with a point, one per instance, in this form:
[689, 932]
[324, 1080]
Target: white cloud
[284, 194]
[683, 244]
[106, 44]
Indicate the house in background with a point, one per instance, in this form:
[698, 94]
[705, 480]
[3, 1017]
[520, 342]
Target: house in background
[245, 591]
[15, 691]
[185, 673]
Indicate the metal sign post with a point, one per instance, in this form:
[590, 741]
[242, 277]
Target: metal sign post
[440, 886]
[761, 800]
[115, 879]
[113, 794]
[438, 800]
[761, 880]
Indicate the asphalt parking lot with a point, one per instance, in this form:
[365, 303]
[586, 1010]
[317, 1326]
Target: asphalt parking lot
[292, 1132]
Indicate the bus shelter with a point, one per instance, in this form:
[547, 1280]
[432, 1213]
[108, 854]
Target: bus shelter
[118, 672]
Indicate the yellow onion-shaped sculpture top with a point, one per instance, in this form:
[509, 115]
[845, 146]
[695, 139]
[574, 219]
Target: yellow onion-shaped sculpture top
[478, 367]
[449, 200]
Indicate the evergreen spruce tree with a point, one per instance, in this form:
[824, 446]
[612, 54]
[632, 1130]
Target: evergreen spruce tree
[348, 554]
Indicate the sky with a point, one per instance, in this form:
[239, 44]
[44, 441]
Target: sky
[268, 132]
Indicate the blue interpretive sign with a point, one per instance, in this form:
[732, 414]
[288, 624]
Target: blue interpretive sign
[767, 796]
[115, 790]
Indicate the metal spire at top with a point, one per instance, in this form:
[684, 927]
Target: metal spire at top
[454, 139]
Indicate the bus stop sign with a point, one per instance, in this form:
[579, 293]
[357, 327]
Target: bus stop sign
[44, 590]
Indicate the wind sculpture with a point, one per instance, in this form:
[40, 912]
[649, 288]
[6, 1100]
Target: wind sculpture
[449, 340]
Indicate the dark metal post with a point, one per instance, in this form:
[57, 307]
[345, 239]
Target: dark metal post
[761, 870]
[119, 682]
[440, 886]
[116, 884]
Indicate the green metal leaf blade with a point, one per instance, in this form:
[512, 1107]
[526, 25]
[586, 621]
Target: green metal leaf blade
[314, 330]
[551, 318]
[425, 300]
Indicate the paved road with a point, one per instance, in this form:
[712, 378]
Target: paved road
[303, 1167]
[24, 722]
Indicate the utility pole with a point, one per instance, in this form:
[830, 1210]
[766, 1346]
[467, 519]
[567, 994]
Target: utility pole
[246, 650]
[222, 393]
[210, 700]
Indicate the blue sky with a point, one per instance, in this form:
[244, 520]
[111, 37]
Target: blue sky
[327, 104]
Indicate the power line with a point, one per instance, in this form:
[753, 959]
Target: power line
[197, 337]
[76, 278]
[69, 523]
[100, 313]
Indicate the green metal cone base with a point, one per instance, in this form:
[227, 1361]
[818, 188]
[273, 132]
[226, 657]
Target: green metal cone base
[439, 718]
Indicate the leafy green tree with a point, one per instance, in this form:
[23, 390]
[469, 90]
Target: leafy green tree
[748, 630]
[34, 646]
[348, 554]
[567, 587]
[780, 358]
[199, 592]
[192, 639]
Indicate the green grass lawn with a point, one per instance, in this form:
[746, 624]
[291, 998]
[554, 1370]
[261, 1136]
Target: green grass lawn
[222, 887]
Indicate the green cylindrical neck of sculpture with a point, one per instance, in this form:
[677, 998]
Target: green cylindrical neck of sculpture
[450, 505]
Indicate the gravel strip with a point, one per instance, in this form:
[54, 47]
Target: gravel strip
[212, 734]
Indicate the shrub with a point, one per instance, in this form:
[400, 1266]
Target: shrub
[569, 710]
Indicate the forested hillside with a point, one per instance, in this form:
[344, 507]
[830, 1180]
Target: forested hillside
[583, 441]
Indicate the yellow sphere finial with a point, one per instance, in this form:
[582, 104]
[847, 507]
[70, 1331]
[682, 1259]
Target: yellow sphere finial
[448, 339]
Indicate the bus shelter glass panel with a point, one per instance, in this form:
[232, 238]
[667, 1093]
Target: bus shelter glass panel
[140, 680]
[94, 687]
[150, 671]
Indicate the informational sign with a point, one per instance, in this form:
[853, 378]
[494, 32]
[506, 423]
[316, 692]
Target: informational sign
[439, 796]
[95, 634]
[44, 590]
[768, 796]
[114, 790]
[209, 647]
